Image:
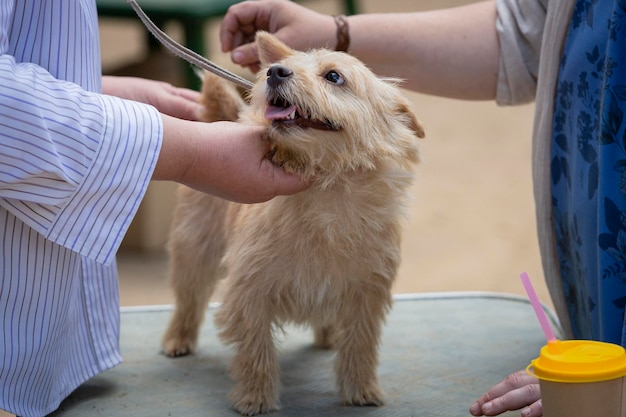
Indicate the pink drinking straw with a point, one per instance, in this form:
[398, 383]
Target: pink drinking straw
[534, 301]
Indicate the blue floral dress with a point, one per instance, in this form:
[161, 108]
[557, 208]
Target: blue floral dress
[588, 168]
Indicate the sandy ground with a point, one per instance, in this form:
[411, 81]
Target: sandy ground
[471, 225]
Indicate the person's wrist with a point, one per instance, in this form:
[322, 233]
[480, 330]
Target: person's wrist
[178, 149]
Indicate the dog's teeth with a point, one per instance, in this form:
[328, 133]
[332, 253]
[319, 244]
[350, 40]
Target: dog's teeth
[292, 115]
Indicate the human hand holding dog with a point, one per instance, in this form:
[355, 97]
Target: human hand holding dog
[174, 101]
[517, 391]
[225, 159]
[451, 52]
[297, 26]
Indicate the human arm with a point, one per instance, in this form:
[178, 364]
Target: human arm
[450, 52]
[75, 164]
[517, 391]
[168, 99]
[225, 159]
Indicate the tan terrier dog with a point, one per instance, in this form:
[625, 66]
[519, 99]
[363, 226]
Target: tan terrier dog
[327, 256]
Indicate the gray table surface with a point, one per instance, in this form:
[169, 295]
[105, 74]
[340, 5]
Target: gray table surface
[440, 352]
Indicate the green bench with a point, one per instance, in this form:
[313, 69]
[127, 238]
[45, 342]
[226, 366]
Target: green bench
[191, 14]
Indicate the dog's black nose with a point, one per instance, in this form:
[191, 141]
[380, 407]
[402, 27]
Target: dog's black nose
[278, 74]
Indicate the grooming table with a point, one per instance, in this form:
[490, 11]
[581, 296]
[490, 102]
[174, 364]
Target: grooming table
[440, 352]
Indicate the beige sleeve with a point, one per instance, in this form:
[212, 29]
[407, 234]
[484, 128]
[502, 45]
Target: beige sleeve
[520, 25]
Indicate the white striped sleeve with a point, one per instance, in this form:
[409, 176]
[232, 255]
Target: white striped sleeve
[75, 164]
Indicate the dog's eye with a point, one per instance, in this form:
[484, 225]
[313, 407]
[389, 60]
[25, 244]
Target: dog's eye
[334, 77]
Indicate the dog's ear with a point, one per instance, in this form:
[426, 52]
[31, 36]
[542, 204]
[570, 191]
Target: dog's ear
[270, 48]
[410, 120]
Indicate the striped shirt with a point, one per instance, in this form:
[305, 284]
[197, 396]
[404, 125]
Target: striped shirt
[74, 165]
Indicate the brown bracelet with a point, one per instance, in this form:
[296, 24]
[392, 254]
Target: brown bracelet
[343, 33]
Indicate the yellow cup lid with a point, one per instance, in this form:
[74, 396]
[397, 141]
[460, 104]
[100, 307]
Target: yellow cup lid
[579, 361]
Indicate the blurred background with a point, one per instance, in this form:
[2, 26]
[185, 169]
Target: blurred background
[471, 225]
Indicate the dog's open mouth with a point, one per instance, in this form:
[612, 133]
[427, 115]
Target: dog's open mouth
[281, 112]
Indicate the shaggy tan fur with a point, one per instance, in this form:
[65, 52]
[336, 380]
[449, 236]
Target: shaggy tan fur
[326, 257]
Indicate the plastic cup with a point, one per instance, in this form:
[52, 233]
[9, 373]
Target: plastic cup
[581, 378]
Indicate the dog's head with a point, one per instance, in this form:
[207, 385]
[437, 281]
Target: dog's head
[328, 114]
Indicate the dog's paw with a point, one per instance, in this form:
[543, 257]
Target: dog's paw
[175, 347]
[368, 396]
[250, 406]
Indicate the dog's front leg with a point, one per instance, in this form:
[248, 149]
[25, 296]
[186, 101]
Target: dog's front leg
[254, 367]
[357, 345]
[196, 246]
[193, 281]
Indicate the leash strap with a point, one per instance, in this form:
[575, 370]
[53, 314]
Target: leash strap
[186, 53]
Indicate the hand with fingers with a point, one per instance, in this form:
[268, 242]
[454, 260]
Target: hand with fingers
[178, 102]
[518, 391]
[297, 26]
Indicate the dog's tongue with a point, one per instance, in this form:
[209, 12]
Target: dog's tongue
[274, 112]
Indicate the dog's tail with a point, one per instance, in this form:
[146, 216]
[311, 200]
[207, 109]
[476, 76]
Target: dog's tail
[221, 99]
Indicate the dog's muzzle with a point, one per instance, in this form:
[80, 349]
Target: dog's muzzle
[277, 75]
[284, 113]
